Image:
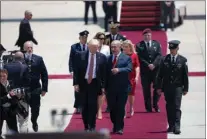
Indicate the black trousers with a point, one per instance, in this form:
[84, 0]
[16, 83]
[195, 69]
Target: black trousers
[116, 103]
[168, 13]
[35, 106]
[89, 97]
[11, 122]
[109, 12]
[147, 79]
[93, 6]
[173, 98]
[77, 103]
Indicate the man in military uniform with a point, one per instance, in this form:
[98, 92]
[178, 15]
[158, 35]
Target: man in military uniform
[149, 52]
[114, 34]
[110, 10]
[172, 79]
[25, 32]
[76, 48]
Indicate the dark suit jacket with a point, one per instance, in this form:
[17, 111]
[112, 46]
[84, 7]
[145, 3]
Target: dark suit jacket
[18, 74]
[75, 48]
[38, 71]
[119, 83]
[118, 37]
[173, 75]
[148, 56]
[81, 69]
[3, 95]
[25, 33]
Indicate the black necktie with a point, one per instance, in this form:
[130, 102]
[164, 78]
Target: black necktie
[173, 59]
[148, 45]
[84, 47]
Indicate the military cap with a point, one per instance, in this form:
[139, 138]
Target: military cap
[113, 24]
[84, 33]
[147, 30]
[2, 48]
[173, 44]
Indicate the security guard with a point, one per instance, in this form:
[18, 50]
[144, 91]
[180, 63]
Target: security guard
[172, 79]
[110, 10]
[114, 33]
[25, 32]
[168, 11]
[149, 52]
[76, 48]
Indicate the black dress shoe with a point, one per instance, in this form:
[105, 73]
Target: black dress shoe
[113, 131]
[78, 110]
[148, 110]
[35, 127]
[86, 130]
[107, 110]
[157, 109]
[92, 130]
[170, 129]
[177, 131]
[120, 132]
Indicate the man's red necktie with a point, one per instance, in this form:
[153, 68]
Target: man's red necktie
[114, 61]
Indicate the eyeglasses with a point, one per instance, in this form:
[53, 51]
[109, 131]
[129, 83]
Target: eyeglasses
[101, 38]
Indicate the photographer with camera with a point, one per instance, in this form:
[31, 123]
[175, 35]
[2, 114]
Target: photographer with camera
[7, 104]
[37, 71]
[19, 77]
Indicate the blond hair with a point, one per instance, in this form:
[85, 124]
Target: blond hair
[130, 44]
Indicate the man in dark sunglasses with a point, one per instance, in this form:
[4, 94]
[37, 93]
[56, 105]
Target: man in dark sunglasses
[114, 33]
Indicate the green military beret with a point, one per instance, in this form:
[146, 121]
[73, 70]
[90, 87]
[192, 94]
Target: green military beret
[173, 44]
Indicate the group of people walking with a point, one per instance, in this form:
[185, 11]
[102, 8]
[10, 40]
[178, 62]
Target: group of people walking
[108, 68]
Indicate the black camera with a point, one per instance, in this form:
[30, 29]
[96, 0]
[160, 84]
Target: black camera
[22, 93]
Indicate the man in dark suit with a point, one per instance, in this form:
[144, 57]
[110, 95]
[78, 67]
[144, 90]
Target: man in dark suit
[110, 10]
[119, 66]
[149, 52]
[37, 72]
[172, 79]
[168, 11]
[74, 50]
[89, 81]
[114, 35]
[25, 32]
[93, 6]
[17, 71]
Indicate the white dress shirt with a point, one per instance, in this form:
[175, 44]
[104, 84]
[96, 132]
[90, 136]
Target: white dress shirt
[105, 50]
[28, 56]
[94, 66]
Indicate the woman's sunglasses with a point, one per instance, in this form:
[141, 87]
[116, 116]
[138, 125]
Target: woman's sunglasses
[101, 38]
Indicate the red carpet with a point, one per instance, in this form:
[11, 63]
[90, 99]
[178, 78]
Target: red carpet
[141, 125]
[68, 76]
